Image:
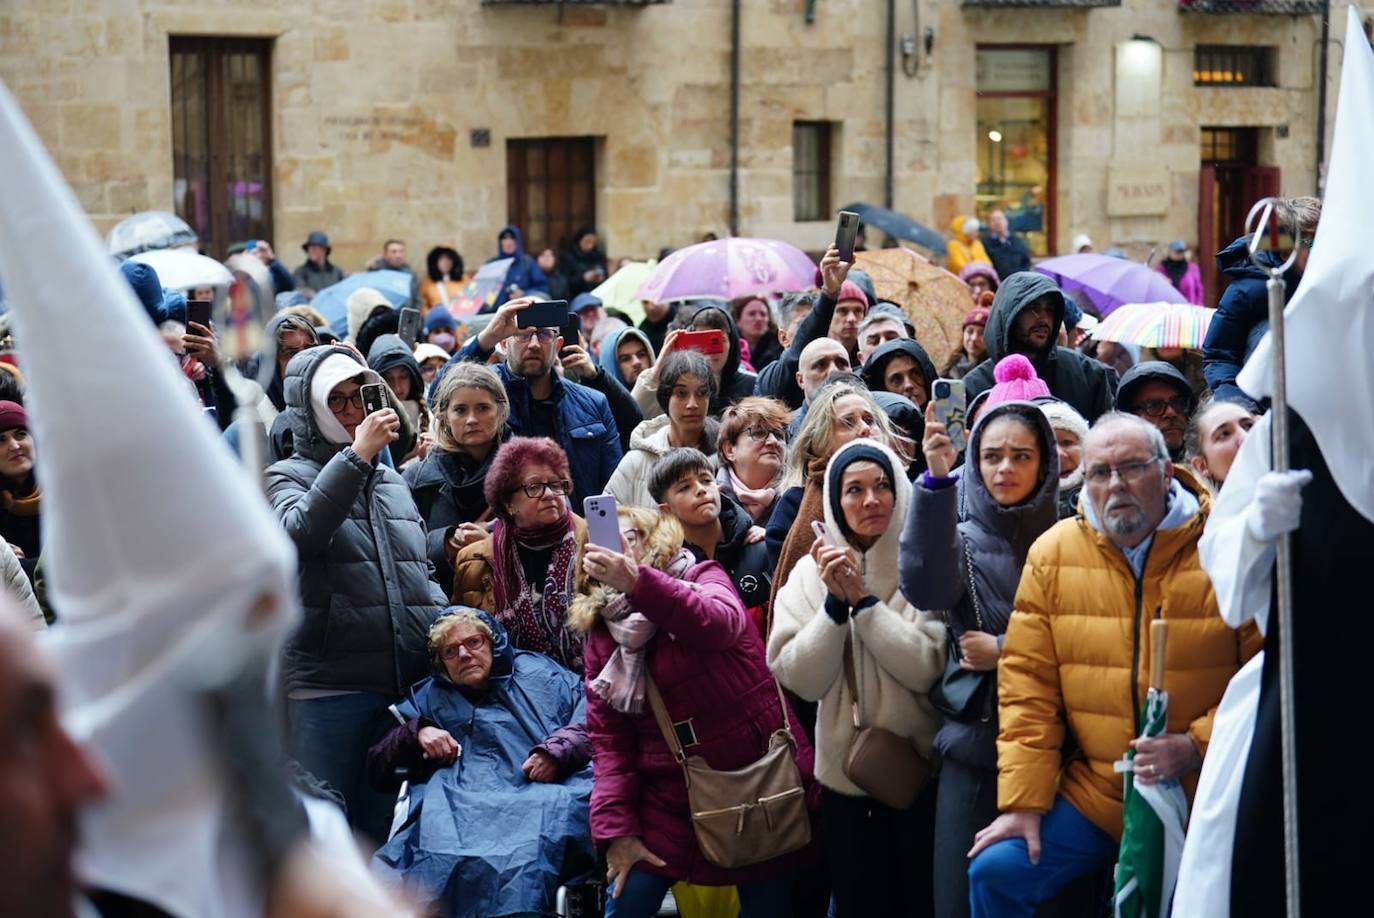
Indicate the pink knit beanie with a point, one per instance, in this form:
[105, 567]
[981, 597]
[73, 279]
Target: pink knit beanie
[1016, 381]
[852, 291]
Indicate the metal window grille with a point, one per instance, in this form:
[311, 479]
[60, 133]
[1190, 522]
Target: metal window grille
[810, 170]
[1042, 4]
[1252, 7]
[1233, 65]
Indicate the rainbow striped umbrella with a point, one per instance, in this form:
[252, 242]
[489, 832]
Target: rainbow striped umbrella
[1156, 325]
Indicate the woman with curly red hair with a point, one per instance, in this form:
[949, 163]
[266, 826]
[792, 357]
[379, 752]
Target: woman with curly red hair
[522, 573]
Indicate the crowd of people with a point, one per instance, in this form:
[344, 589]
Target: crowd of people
[809, 555]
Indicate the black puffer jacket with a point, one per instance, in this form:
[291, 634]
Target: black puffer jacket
[1072, 377]
[937, 552]
[448, 491]
[746, 563]
[365, 585]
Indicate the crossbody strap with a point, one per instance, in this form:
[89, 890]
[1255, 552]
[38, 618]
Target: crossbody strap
[972, 587]
[665, 721]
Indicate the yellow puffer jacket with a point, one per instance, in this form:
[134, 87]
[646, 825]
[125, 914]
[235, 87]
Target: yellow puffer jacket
[1078, 643]
[963, 249]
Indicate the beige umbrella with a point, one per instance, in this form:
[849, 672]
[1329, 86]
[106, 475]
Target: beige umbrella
[935, 300]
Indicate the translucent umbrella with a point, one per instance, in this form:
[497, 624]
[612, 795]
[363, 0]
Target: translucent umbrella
[1156, 325]
[619, 290]
[151, 229]
[935, 300]
[179, 269]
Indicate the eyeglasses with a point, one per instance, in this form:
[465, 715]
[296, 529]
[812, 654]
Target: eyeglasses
[545, 335]
[471, 645]
[761, 434]
[1156, 407]
[537, 488]
[337, 402]
[1129, 472]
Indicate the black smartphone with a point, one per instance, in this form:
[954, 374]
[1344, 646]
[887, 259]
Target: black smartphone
[409, 327]
[374, 397]
[571, 332]
[198, 311]
[545, 314]
[845, 234]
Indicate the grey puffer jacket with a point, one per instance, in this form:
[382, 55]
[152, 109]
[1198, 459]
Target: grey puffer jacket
[365, 585]
[938, 550]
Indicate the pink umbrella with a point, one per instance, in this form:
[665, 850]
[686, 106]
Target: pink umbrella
[727, 268]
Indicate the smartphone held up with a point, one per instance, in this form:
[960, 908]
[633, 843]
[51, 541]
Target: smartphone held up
[846, 232]
[374, 397]
[951, 410]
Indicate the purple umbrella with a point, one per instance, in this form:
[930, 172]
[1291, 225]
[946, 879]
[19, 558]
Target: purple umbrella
[1109, 282]
[727, 268]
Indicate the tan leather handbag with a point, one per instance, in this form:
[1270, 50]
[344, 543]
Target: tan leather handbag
[750, 815]
[879, 762]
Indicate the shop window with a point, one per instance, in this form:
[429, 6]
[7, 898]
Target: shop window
[1015, 168]
[1233, 65]
[551, 188]
[811, 170]
[221, 138]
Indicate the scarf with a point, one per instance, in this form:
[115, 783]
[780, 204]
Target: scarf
[540, 628]
[621, 681]
[15, 505]
[757, 502]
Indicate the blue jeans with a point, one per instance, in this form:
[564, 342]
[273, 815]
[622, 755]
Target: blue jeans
[330, 738]
[644, 892]
[1002, 881]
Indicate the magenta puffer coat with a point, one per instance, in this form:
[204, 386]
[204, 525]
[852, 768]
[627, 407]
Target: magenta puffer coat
[710, 665]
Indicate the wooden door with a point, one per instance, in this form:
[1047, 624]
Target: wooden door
[550, 189]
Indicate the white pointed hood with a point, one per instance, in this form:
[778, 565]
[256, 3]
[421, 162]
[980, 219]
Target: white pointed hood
[157, 550]
[1329, 323]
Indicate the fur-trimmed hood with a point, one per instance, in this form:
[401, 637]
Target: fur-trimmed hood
[661, 546]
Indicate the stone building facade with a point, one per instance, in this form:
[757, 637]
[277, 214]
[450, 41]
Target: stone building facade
[404, 117]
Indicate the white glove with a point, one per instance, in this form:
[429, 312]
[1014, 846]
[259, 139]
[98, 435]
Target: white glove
[1277, 506]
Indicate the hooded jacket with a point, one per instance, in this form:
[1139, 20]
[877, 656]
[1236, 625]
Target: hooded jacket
[365, 586]
[735, 381]
[360, 306]
[460, 813]
[608, 360]
[1076, 658]
[899, 651]
[964, 249]
[1154, 371]
[1241, 319]
[387, 353]
[434, 290]
[939, 551]
[576, 263]
[707, 660]
[630, 483]
[876, 365]
[524, 271]
[1072, 377]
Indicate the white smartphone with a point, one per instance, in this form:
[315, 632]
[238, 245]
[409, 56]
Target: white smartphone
[951, 410]
[823, 533]
[603, 521]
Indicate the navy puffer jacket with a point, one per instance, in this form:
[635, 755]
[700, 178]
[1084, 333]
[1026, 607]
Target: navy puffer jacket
[938, 551]
[365, 585]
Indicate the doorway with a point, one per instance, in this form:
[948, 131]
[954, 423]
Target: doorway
[550, 189]
[222, 138]
[1232, 180]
